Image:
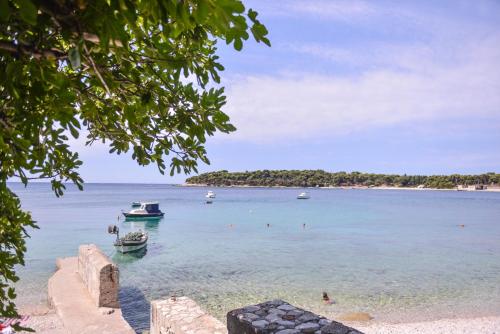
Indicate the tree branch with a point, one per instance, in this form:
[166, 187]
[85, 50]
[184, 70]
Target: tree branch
[96, 70]
[19, 49]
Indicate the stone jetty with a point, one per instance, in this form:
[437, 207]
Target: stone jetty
[279, 317]
[84, 294]
[181, 315]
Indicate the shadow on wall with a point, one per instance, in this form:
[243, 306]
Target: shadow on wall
[135, 308]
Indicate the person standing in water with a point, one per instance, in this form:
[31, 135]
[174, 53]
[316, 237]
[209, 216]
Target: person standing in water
[327, 299]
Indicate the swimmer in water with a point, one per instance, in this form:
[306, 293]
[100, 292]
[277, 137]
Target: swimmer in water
[303, 226]
[327, 299]
[268, 225]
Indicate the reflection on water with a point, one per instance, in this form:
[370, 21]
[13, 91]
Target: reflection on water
[398, 255]
[148, 225]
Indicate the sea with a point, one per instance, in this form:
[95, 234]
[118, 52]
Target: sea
[399, 255]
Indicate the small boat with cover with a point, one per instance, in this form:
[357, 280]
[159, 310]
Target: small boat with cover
[131, 242]
[146, 210]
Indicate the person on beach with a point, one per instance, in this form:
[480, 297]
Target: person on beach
[327, 299]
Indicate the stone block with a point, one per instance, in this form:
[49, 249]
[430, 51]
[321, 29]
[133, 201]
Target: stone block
[99, 275]
[182, 315]
[279, 317]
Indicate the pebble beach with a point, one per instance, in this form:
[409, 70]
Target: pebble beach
[483, 325]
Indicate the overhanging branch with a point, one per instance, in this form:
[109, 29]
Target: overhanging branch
[20, 49]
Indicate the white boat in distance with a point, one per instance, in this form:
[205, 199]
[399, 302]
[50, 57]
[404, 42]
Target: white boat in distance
[210, 194]
[304, 195]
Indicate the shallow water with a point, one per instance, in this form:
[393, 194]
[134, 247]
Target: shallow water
[398, 255]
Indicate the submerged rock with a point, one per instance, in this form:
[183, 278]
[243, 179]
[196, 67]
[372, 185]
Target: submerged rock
[356, 316]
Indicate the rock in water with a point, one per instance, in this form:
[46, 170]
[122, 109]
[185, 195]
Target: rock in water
[356, 316]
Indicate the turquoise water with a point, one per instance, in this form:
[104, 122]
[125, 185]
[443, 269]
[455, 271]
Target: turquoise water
[398, 255]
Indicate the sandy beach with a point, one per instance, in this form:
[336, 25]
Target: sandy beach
[483, 325]
[43, 319]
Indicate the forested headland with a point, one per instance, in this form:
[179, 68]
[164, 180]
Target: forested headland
[321, 178]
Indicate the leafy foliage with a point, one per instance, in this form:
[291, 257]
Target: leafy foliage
[141, 76]
[313, 178]
[13, 224]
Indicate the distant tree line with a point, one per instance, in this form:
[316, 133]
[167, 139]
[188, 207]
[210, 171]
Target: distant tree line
[320, 178]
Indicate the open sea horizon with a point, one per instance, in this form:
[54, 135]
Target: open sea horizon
[399, 255]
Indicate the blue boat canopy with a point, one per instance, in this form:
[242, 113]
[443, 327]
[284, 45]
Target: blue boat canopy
[152, 207]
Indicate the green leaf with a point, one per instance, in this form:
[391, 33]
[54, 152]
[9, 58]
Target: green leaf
[28, 11]
[74, 132]
[252, 14]
[4, 10]
[238, 44]
[74, 58]
[201, 12]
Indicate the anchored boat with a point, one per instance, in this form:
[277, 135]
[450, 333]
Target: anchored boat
[210, 194]
[146, 210]
[304, 195]
[131, 242]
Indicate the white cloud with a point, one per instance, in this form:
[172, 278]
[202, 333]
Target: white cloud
[326, 9]
[346, 11]
[420, 85]
[332, 9]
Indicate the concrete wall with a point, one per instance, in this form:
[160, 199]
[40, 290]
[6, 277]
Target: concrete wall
[99, 275]
[70, 297]
[182, 315]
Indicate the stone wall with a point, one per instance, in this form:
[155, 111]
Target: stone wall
[182, 315]
[279, 317]
[99, 275]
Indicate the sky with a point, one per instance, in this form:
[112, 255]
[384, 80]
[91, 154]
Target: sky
[373, 86]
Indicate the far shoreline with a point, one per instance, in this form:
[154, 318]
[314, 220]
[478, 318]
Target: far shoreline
[194, 185]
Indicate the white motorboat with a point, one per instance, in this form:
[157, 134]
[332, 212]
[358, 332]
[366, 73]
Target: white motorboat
[131, 242]
[210, 194]
[303, 195]
[146, 210]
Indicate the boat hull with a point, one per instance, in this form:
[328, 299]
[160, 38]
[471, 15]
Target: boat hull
[130, 248]
[143, 215]
[131, 245]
